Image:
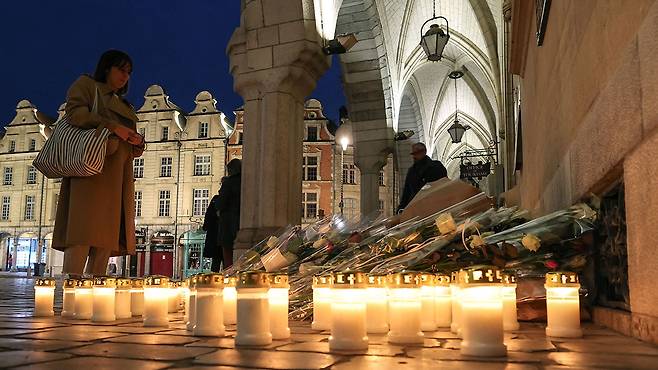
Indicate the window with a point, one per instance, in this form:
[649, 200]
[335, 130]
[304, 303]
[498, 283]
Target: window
[6, 207]
[165, 166]
[201, 201]
[138, 168]
[138, 204]
[165, 202]
[203, 130]
[12, 146]
[29, 207]
[310, 168]
[381, 178]
[349, 174]
[142, 131]
[349, 208]
[312, 133]
[201, 165]
[8, 176]
[164, 136]
[33, 145]
[31, 175]
[309, 205]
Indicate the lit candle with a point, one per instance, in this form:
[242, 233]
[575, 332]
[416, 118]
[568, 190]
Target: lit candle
[208, 302]
[322, 302]
[83, 300]
[442, 301]
[186, 300]
[122, 299]
[191, 316]
[404, 308]
[348, 312]
[183, 293]
[137, 297]
[156, 298]
[103, 299]
[510, 321]
[481, 319]
[563, 305]
[456, 303]
[230, 300]
[44, 296]
[278, 302]
[172, 300]
[377, 305]
[68, 299]
[427, 282]
[253, 324]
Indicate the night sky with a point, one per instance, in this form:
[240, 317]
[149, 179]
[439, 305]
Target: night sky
[45, 45]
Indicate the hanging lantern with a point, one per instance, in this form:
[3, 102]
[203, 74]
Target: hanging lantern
[457, 130]
[435, 39]
[563, 305]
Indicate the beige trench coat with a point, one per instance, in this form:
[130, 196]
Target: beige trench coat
[99, 211]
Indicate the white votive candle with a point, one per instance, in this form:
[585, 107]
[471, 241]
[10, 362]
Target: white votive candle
[137, 297]
[563, 305]
[427, 315]
[122, 299]
[208, 312]
[68, 297]
[404, 309]
[103, 299]
[442, 301]
[348, 308]
[456, 303]
[230, 300]
[44, 296]
[482, 313]
[278, 302]
[322, 302]
[377, 305]
[172, 300]
[253, 324]
[191, 305]
[510, 320]
[185, 298]
[156, 298]
[83, 300]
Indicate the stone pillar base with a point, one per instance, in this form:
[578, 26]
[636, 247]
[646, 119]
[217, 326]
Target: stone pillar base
[249, 237]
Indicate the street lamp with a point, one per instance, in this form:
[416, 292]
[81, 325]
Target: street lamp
[344, 138]
[435, 39]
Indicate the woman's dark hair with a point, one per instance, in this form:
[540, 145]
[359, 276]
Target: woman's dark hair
[109, 59]
[234, 167]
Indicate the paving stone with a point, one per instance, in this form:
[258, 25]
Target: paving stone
[30, 325]
[18, 358]
[268, 359]
[449, 354]
[323, 347]
[182, 332]
[98, 363]
[140, 351]
[152, 339]
[209, 368]
[72, 333]
[403, 363]
[132, 329]
[591, 347]
[604, 360]
[300, 337]
[38, 345]
[230, 343]
[6, 332]
[513, 345]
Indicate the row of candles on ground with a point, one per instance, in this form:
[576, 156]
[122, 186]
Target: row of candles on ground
[479, 304]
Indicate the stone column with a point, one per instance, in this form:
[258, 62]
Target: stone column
[14, 254]
[372, 145]
[276, 60]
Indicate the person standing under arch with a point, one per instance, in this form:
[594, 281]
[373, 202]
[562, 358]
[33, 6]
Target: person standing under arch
[424, 170]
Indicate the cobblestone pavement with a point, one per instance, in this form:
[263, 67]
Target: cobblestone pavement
[56, 343]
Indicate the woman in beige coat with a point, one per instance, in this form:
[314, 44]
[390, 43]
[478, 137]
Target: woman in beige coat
[96, 214]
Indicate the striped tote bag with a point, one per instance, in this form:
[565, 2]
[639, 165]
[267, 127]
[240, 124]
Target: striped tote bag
[73, 152]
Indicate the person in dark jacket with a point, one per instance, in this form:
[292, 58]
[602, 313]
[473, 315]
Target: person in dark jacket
[228, 205]
[424, 170]
[212, 248]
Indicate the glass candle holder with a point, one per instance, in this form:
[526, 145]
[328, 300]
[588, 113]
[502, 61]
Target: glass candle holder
[563, 305]
[253, 324]
[442, 301]
[83, 299]
[68, 297]
[44, 296]
[510, 320]
[122, 298]
[230, 300]
[172, 297]
[191, 305]
[348, 312]
[456, 303]
[377, 305]
[137, 297]
[183, 295]
[322, 302]
[427, 282]
[208, 312]
[156, 301]
[278, 302]
[103, 293]
[481, 319]
[404, 308]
